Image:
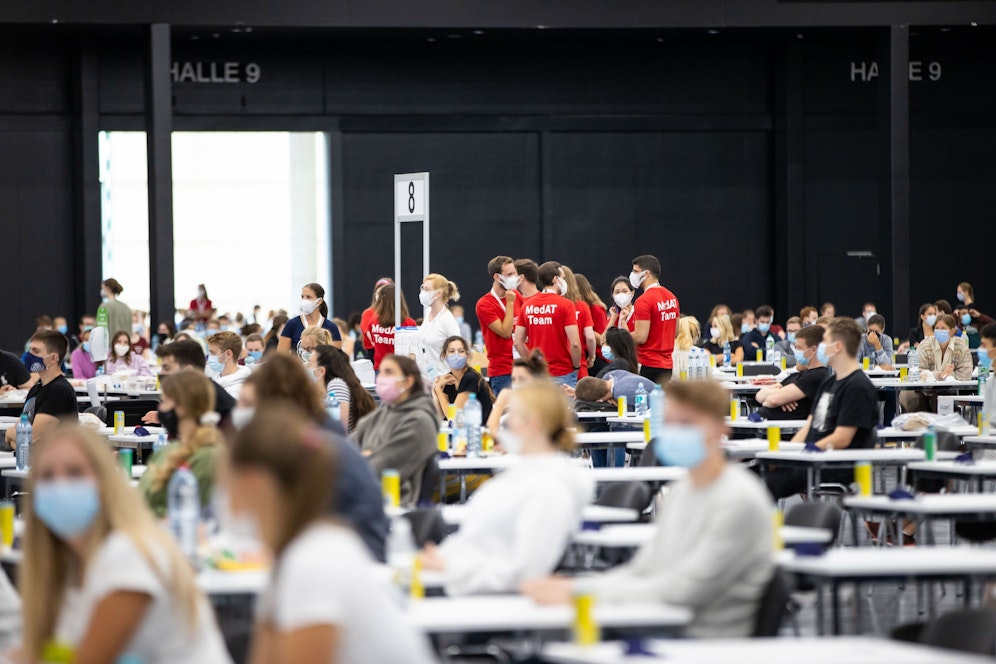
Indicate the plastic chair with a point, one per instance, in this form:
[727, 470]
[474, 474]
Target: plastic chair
[100, 412]
[967, 630]
[760, 369]
[430, 482]
[630, 495]
[815, 515]
[364, 370]
[773, 606]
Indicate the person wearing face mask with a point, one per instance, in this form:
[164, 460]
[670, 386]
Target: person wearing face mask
[965, 295]
[117, 313]
[923, 329]
[867, 311]
[255, 347]
[14, 374]
[186, 411]
[324, 601]
[165, 333]
[808, 316]
[314, 313]
[51, 398]
[401, 434]
[122, 358]
[100, 576]
[456, 386]
[621, 311]
[620, 352]
[655, 317]
[942, 357]
[525, 370]
[438, 325]
[845, 411]
[548, 321]
[188, 355]
[81, 361]
[519, 523]
[380, 332]
[970, 323]
[711, 549]
[458, 316]
[496, 313]
[785, 346]
[590, 342]
[312, 338]
[748, 322]
[331, 369]
[757, 338]
[224, 350]
[792, 399]
[201, 308]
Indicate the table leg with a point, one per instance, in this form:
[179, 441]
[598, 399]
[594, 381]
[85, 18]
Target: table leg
[855, 517]
[857, 608]
[809, 482]
[820, 617]
[835, 589]
[463, 487]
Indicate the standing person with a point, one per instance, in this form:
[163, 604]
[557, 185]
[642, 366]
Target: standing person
[528, 270]
[367, 317]
[621, 312]
[81, 361]
[549, 321]
[123, 358]
[52, 398]
[314, 313]
[458, 316]
[792, 399]
[966, 296]
[656, 315]
[380, 332]
[201, 309]
[599, 318]
[324, 602]
[496, 312]
[224, 350]
[118, 313]
[439, 324]
[456, 386]
[586, 326]
[330, 367]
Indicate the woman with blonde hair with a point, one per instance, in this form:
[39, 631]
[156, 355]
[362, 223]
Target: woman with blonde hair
[439, 324]
[312, 338]
[687, 335]
[187, 413]
[721, 333]
[519, 523]
[100, 577]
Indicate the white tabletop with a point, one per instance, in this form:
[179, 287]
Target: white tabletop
[927, 505]
[875, 562]
[638, 474]
[9, 421]
[981, 441]
[215, 582]
[983, 468]
[748, 449]
[631, 420]
[595, 414]
[635, 535]
[895, 455]
[811, 650]
[932, 385]
[128, 431]
[490, 462]
[490, 613]
[9, 469]
[893, 433]
[454, 515]
[608, 438]
[784, 425]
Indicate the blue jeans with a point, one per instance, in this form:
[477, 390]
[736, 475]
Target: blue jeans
[600, 458]
[570, 380]
[499, 383]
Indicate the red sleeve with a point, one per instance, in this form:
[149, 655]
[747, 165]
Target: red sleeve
[193, 304]
[486, 314]
[584, 316]
[366, 320]
[642, 310]
[570, 314]
[599, 319]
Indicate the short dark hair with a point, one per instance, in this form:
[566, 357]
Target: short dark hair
[989, 332]
[527, 269]
[497, 263]
[846, 331]
[877, 319]
[649, 263]
[812, 335]
[185, 353]
[943, 306]
[591, 389]
[926, 307]
[54, 342]
[548, 271]
[764, 311]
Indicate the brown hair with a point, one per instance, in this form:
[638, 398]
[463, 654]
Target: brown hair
[447, 288]
[846, 331]
[409, 369]
[967, 287]
[806, 311]
[323, 308]
[573, 293]
[113, 286]
[942, 306]
[383, 306]
[255, 337]
[527, 269]
[948, 320]
[284, 377]
[336, 365]
[546, 400]
[704, 396]
[55, 342]
[127, 336]
[227, 341]
[590, 388]
[812, 335]
[497, 263]
[194, 392]
[278, 321]
[588, 293]
[535, 364]
[548, 271]
[297, 454]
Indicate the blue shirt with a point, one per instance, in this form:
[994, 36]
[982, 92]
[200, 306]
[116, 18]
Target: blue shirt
[294, 328]
[624, 384]
[754, 340]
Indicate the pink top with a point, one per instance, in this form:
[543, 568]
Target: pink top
[138, 365]
[83, 366]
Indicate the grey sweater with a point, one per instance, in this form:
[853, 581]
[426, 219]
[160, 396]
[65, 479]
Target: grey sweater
[401, 436]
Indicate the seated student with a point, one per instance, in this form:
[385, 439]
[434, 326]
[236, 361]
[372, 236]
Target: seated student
[711, 549]
[401, 434]
[100, 576]
[757, 338]
[721, 332]
[13, 374]
[923, 329]
[456, 386]
[312, 338]
[255, 347]
[876, 345]
[828, 310]
[187, 355]
[272, 337]
[330, 367]
[52, 397]
[356, 495]
[785, 346]
[619, 351]
[942, 357]
[519, 523]
[121, 357]
[615, 384]
[224, 349]
[186, 411]
[845, 414]
[808, 316]
[792, 399]
[525, 370]
[81, 361]
[325, 601]
[748, 321]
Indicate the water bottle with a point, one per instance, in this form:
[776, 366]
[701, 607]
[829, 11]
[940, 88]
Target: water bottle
[777, 358]
[23, 447]
[100, 370]
[656, 411]
[769, 349]
[727, 355]
[913, 359]
[401, 549]
[160, 443]
[640, 401]
[184, 510]
[332, 406]
[983, 379]
[460, 433]
[473, 416]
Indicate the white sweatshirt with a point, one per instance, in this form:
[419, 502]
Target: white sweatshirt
[517, 525]
[711, 552]
[233, 382]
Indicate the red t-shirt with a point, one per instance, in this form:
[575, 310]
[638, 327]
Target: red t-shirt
[381, 339]
[659, 306]
[583, 312]
[545, 317]
[366, 320]
[202, 310]
[139, 347]
[600, 321]
[491, 308]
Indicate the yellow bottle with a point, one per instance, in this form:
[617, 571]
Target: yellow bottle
[416, 589]
[586, 632]
[777, 520]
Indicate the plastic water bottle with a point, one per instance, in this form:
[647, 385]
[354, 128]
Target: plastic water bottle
[23, 445]
[727, 355]
[983, 379]
[640, 401]
[100, 370]
[913, 360]
[184, 510]
[777, 358]
[473, 416]
[460, 433]
[160, 443]
[401, 549]
[769, 349]
[332, 405]
[656, 411]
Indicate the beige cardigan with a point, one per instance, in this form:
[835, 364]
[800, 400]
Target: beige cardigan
[957, 353]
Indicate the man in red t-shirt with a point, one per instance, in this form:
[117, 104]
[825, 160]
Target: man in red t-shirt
[496, 312]
[549, 321]
[656, 320]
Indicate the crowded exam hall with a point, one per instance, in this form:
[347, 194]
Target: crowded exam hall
[555, 332]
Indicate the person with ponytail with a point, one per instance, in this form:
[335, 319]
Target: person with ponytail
[331, 369]
[187, 413]
[439, 324]
[519, 523]
[314, 313]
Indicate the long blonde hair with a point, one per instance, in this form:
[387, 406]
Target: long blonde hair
[573, 292]
[195, 393]
[725, 330]
[321, 336]
[688, 333]
[49, 563]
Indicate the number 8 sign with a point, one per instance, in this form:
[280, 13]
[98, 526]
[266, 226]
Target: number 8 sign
[409, 199]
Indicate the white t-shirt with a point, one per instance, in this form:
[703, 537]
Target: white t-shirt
[326, 577]
[164, 634]
[434, 333]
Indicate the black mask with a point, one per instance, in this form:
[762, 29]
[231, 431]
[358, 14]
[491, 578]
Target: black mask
[162, 337]
[170, 422]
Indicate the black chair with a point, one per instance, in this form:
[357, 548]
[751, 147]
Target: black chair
[133, 409]
[649, 456]
[427, 525]
[946, 442]
[762, 369]
[902, 358]
[629, 495]
[430, 482]
[99, 411]
[815, 515]
[773, 606]
[967, 630]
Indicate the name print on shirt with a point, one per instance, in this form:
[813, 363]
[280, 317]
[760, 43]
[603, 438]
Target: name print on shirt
[668, 309]
[540, 314]
[378, 330]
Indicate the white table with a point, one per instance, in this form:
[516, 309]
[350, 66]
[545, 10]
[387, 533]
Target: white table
[9, 421]
[129, 431]
[743, 424]
[654, 474]
[891, 433]
[983, 442]
[629, 420]
[748, 449]
[946, 403]
[608, 439]
[597, 415]
[972, 473]
[635, 535]
[939, 385]
[249, 582]
[815, 462]
[925, 509]
[807, 650]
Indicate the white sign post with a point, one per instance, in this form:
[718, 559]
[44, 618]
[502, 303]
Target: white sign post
[411, 204]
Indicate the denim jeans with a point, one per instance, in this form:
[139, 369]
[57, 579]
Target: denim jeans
[499, 383]
[570, 380]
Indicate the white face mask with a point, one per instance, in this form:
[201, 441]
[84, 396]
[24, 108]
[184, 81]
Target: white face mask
[510, 442]
[563, 287]
[622, 300]
[509, 283]
[241, 416]
[714, 331]
[121, 349]
[201, 294]
[308, 306]
[427, 297]
[637, 278]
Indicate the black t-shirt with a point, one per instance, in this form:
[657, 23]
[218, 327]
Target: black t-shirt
[849, 402]
[57, 399]
[472, 382]
[809, 381]
[12, 370]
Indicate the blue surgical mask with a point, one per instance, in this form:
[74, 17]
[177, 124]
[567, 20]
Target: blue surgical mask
[67, 507]
[62, 329]
[211, 332]
[791, 337]
[456, 362]
[86, 346]
[763, 327]
[800, 358]
[459, 320]
[607, 353]
[960, 296]
[681, 446]
[744, 328]
[931, 320]
[256, 355]
[966, 319]
[984, 360]
[33, 363]
[821, 354]
[214, 364]
[942, 336]
[305, 355]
